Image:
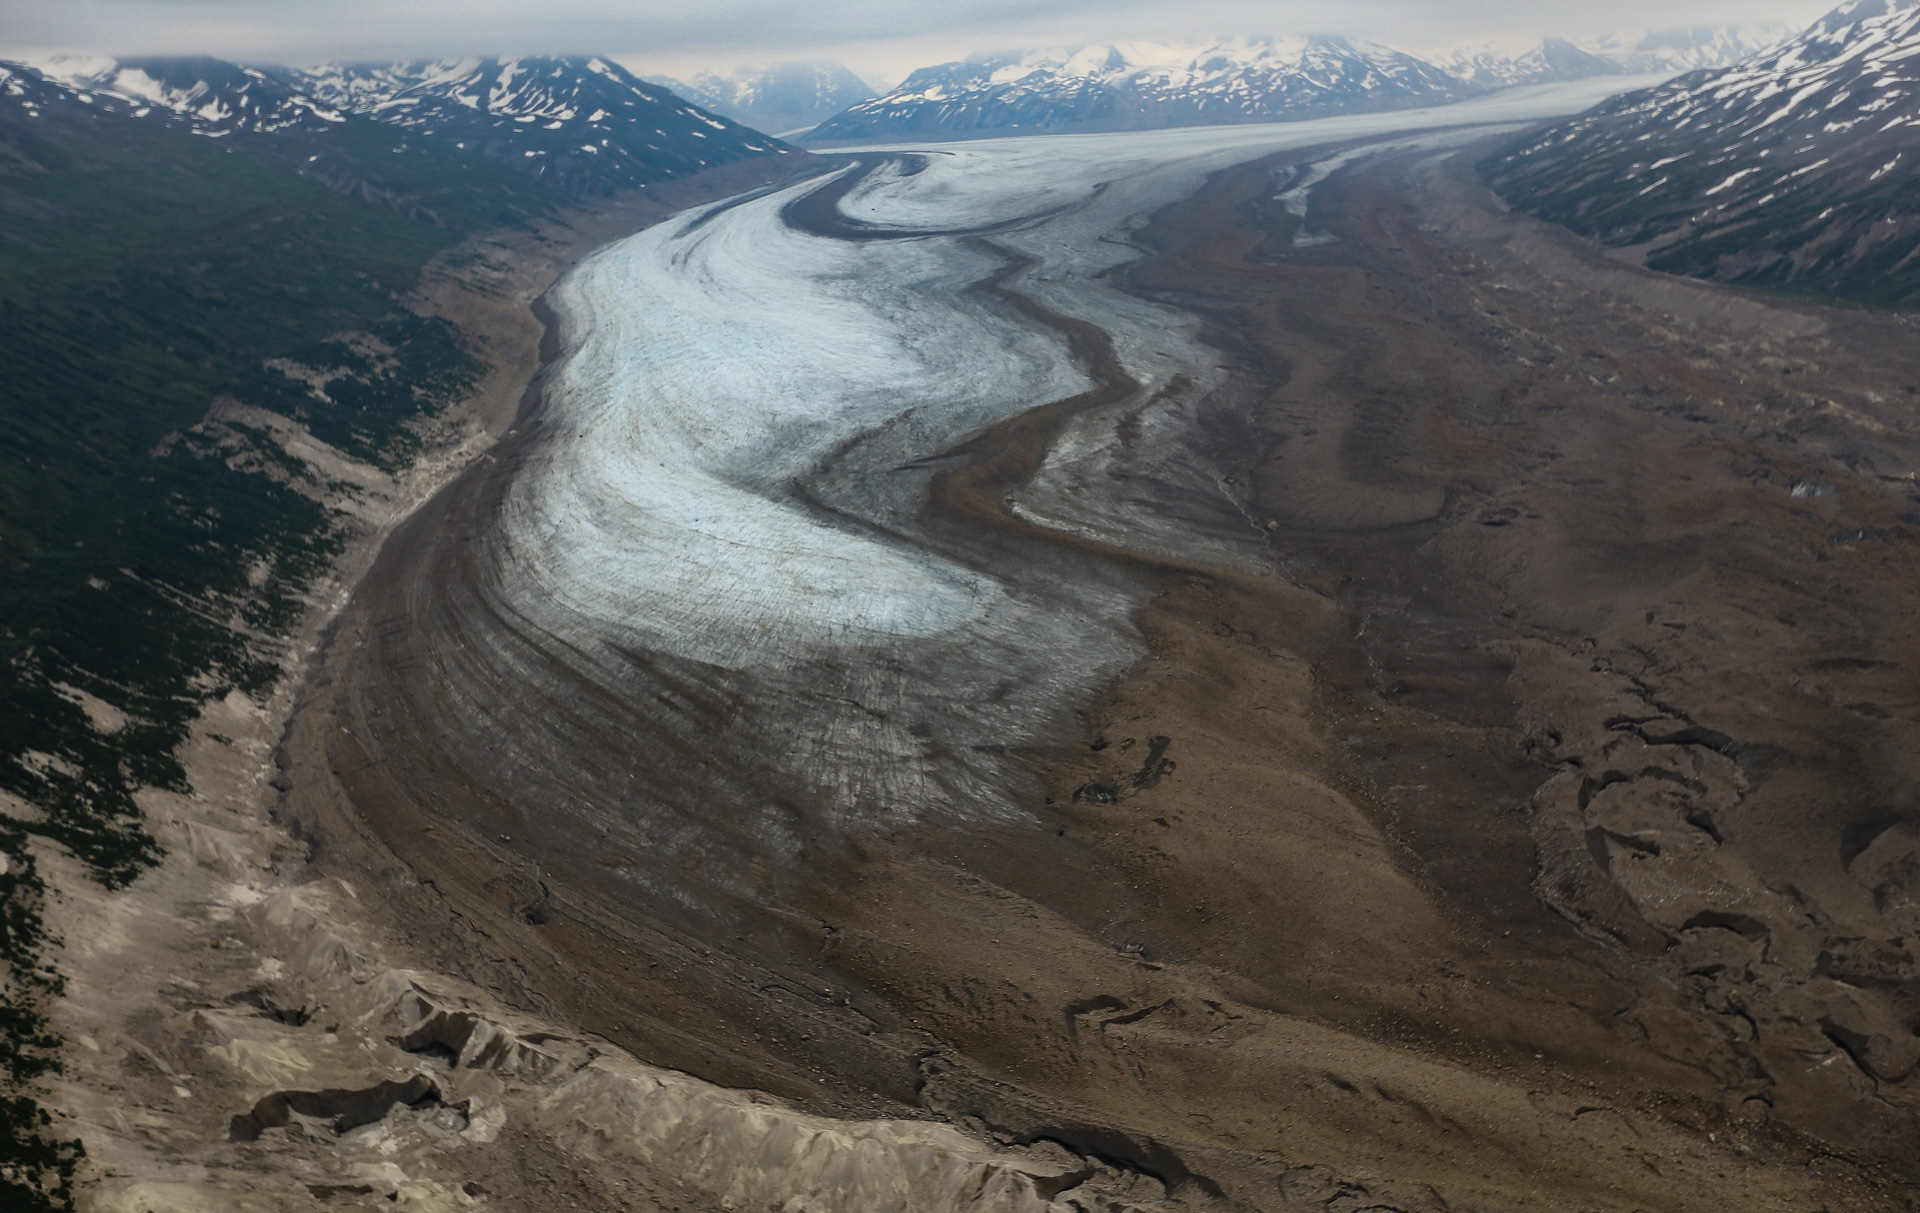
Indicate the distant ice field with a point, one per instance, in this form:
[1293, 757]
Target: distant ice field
[719, 364]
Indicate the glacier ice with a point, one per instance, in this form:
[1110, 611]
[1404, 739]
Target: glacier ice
[738, 440]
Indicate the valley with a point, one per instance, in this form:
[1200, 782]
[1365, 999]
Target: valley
[1228, 625]
[1276, 756]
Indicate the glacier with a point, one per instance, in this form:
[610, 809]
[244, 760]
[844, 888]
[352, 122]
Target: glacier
[731, 465]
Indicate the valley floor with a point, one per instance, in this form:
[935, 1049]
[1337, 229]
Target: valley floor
[1430, 726]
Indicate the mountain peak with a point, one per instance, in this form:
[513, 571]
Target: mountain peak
[1138, 85]
[1510, 62]
[782, 97]
[583, 123]
[1146, 85]
[212, 95]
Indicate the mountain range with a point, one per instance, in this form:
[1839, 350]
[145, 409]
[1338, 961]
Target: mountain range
[584, 125]
[1688, 48]
[1496, 65]
[590, 126]
[1792, 169]
[1144, 85]
[211, 95]
[783, 99]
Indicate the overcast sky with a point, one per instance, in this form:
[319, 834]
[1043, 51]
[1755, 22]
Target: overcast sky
[881, 39]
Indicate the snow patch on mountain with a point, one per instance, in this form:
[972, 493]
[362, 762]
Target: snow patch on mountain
[1146, 85]
[1858, 68]
[583, 123]
[213, 96]
[1794, 167]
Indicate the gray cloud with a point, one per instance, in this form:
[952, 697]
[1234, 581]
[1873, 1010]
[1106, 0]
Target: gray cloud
[883, 37]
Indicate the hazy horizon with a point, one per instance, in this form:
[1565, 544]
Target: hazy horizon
[879, 41]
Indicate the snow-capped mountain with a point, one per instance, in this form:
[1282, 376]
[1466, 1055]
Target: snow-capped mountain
[1143, 85]
[1509, 64]
[1796, 167]
[779, 99]
[1513, 62]
[586, 124]
[1688, 48]
[213, 96]
[27, 92]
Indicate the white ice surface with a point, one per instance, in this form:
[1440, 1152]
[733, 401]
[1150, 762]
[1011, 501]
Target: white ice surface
[714, 364]
[721, 357]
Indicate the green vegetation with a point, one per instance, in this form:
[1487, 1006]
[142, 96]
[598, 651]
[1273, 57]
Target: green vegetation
[1859, 246]
[36, 1164]
[1848, 238]
[151, 561]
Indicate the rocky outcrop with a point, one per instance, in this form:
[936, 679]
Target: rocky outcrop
[445, 1053]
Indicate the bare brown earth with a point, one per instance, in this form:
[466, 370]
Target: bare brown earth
[229, 974]
[1544, 836]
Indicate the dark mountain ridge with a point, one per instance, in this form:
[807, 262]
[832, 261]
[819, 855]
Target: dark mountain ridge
[1796, 169]
[215, 97]
[584, 124]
